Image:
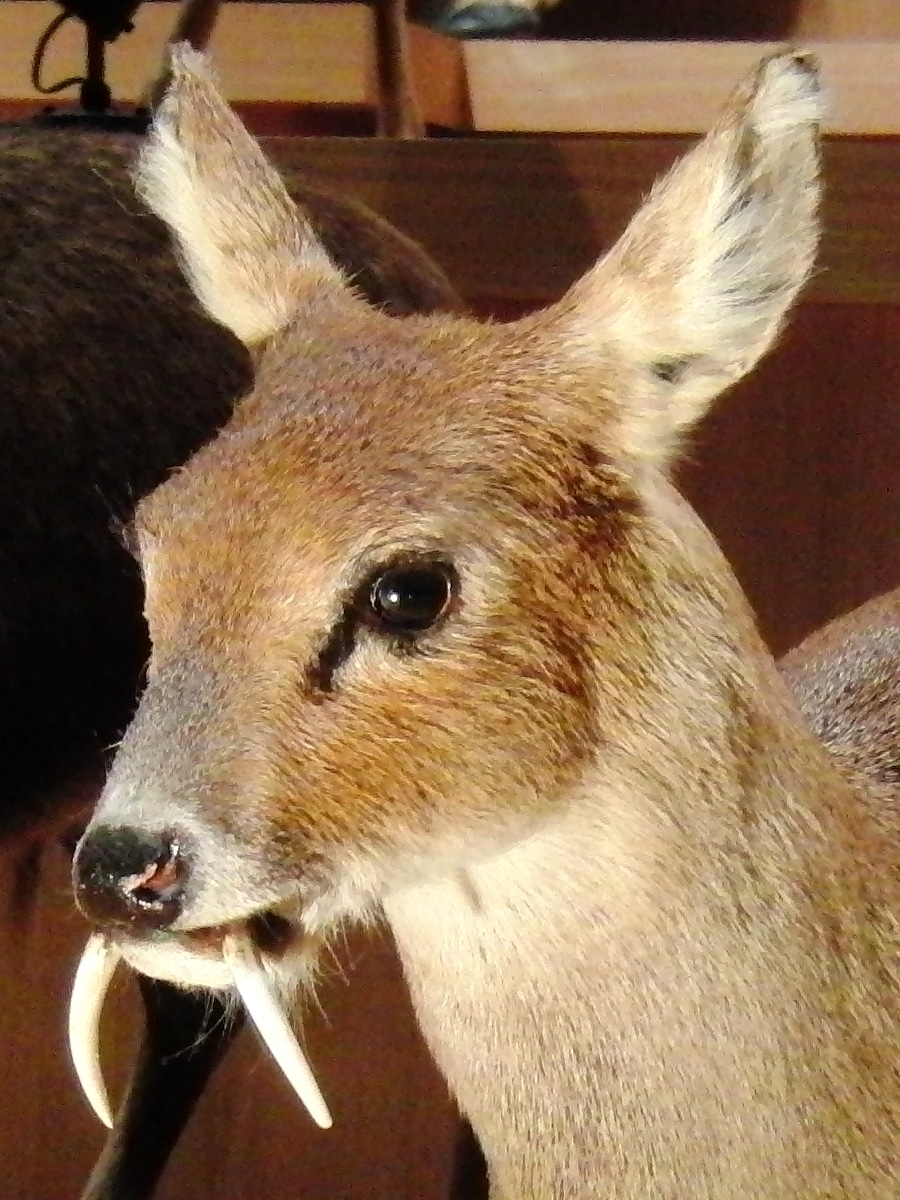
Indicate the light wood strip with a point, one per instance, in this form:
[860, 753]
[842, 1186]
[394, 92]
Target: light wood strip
[292, 53]
[660, 87]
[864, 19]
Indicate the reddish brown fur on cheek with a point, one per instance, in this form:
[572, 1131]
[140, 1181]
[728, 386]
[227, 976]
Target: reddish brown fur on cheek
[518, 686]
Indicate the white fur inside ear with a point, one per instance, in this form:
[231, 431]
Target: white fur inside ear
[167, 185]
[245, 249]
[756, 238]
[708, 268]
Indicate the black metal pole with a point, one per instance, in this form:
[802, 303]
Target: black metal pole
[95, 94]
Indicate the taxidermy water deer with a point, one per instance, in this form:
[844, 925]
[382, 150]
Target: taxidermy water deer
[435, 638]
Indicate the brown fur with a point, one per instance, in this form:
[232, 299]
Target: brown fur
[650, 928]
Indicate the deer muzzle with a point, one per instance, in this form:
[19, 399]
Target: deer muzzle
[237, 959]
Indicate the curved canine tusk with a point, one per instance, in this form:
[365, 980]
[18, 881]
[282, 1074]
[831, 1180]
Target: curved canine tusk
[92, 979]
[273, 1026]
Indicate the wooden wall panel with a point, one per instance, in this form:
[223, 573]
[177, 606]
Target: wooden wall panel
[861, 20]
[515, 220]
[798, 469]
[296, 53]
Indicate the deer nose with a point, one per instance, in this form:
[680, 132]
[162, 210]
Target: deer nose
[125, 876]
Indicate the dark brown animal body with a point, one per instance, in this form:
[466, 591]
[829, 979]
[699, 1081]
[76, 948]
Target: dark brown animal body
[846, 677]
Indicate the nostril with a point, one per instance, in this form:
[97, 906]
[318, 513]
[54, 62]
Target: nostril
[160, 881]
[124, 876]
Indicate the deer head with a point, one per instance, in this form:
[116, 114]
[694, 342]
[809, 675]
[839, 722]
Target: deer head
[431, 580]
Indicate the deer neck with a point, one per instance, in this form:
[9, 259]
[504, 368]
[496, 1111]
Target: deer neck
[628, 1003]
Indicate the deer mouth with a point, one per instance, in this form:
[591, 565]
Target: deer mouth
[253, 956]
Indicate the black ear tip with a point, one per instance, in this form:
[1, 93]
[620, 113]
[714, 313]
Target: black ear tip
[806, 65]
[805, 61]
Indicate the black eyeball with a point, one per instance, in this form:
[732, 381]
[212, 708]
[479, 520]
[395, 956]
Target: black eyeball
[411, 598]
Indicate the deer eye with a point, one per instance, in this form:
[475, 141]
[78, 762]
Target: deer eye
[411, 598]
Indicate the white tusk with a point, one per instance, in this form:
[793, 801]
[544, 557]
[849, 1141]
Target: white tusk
[92, 979]
[273, 1027]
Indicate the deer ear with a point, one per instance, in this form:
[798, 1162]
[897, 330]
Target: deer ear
[246, 249]
[697, 288]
